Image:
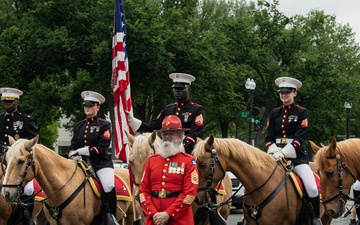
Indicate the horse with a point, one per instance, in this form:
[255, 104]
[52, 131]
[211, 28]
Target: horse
[270, 197]
[339, 168]
[143, 146]
[11, 213]
[70, 198]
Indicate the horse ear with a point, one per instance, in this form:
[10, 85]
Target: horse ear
[130, 137]
[314, 147]
[11, 140]
[30, 143]
[332, 146]
[209, 142]
[152, 137]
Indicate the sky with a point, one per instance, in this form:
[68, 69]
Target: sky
[346, 11]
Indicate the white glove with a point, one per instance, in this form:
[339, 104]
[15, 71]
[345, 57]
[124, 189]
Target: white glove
[273, 148]
[80, 151]
[134, 123]
[289, 151]
[278, 155]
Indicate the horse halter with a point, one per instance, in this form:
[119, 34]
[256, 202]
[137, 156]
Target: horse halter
[340, 166]
[30, 163]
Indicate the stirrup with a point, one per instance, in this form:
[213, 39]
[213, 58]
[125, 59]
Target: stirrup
[316, 221]
[111, 220]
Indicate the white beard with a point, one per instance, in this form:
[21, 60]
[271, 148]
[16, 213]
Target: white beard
[169, 148]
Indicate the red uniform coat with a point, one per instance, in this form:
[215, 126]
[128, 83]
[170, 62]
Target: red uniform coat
[177, 173]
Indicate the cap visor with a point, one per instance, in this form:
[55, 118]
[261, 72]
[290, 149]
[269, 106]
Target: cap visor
[179, 85]
[286, 89]
[89, 103]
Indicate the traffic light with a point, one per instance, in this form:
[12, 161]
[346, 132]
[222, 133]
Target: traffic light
[256, 115]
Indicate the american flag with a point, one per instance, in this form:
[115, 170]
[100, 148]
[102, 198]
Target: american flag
[120, 82]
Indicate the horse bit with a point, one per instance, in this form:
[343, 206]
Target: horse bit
[340, 166]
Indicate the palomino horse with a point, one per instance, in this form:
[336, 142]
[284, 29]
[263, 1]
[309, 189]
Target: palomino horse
[144, 145]
[270, 197]
[10, 214]
[339, 168]
[70, 198]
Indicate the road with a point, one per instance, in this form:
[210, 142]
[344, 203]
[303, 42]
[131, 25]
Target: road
[236, 216]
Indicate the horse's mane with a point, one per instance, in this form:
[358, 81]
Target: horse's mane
[17, 148]
[141, 148]
[240, 150]
[349, 151]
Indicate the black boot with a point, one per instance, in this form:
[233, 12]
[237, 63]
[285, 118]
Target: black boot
[29, 201]
[111, 202]
[315, 202]
[357, 202]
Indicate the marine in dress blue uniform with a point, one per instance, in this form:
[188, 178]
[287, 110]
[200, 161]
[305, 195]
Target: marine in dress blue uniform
[91, 137]
[17, 125]
[287, 130]
[192, 115]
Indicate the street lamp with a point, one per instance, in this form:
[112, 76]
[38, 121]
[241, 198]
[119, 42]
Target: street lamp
[348, 106]
[250, 85]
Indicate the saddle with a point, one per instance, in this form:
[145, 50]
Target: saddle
[123, 192]
[296, 180]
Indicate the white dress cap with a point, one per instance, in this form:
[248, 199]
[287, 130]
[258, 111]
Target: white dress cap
[182, 78]
[10, 93]
[288, 82]
[93, 96]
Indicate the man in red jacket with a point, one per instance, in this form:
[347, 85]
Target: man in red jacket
[170, 180]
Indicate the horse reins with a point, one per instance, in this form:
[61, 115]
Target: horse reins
[55, 212]
[340, 166]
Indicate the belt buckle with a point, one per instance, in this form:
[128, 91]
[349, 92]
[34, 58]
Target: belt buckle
[162, 194]
[284, 141]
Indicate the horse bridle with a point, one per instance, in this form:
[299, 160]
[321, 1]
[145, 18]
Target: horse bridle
[30, 163]
[340, 166]
[55, 211]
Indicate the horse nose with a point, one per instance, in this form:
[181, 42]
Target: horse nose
[332, 213]
[5, 195]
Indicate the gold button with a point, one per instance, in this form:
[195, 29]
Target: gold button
[166, 164]
[5, 135]
[85, 131]
[173, 215]
[162, 189]
[5, 143]
[164, 171]
[85, 136]
[7, 127]
[167, 159]
[177, 113]
[177, 210]
[163, 176]
[178, 109]
[8, 119]
[162, 183]
[85, 141]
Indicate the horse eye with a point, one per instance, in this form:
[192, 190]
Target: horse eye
[329, 174]
[21, 161]
[202, 164]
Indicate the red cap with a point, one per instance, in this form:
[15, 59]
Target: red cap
[172, 123]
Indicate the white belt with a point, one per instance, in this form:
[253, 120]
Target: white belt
[284, 140]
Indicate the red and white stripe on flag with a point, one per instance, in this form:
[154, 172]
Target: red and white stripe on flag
[120, 83]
